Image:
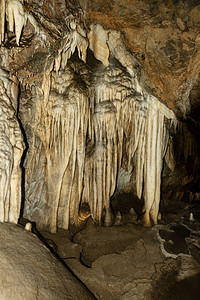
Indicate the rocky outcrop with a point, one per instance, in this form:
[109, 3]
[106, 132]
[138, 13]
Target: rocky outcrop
[30, 271]
[164, 37]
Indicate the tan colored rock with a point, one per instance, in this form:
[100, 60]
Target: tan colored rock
[180, 24]
[98, 43]
[60, 127]
[11, 150]
[30, 271]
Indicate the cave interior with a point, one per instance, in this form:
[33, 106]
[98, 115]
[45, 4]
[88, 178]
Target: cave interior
[99, 140]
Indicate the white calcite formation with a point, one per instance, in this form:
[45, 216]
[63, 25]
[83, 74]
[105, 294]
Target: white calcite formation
[13, 12]
[61, 126]
[75, 40]
[11, 150]
[98, 38]
[2, 20]
[81, 122]
[123, 115]
[84, 131]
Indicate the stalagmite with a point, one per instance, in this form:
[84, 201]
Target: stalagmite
[118, 218]
[191, 217]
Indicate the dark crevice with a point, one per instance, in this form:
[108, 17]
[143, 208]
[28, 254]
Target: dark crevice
[35, 231]
[22, 160]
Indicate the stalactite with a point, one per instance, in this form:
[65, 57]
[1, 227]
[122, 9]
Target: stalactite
[106, 132]
[133, 119]
[62, 128]
[155, 143]
[2, 20]
[74, 40]
[98, 43]
[101, 161]
[116, 120]
[147, 136]
[170, 155]
[120, 108]
[140, 159]
[16, 17]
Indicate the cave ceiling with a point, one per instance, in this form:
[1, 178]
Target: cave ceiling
[162, 35]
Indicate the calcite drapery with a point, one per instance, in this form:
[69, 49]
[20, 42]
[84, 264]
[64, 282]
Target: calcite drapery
[118, 118]
[110, 117]
[11, 150]
[61, 126]
[124, 113]
[98, 43]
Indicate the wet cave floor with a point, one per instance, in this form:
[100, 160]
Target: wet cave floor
[129, 261]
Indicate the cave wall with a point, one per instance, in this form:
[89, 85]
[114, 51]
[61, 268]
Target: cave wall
[90, 114]
[88, 107]
[11, 149]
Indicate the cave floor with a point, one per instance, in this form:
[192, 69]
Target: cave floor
[129, 261]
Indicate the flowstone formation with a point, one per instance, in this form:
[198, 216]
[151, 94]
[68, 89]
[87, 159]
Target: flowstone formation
[11, 150]
[86, 120]
[86, 112]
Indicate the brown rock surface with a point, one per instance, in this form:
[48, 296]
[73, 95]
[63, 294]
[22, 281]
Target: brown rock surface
[136, 263]
[129, 262]
[164, 37]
